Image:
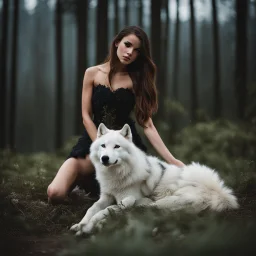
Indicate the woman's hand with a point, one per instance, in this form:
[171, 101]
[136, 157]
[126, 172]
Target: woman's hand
[178, 163]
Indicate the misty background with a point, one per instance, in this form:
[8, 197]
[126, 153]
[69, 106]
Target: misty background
[204, 50]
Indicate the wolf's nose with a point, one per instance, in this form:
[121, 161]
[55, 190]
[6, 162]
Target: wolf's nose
[105, 159]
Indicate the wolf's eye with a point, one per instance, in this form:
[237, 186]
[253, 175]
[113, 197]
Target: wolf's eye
[103, 145]
[117, 146]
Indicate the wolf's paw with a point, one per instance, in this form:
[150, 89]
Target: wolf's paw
[77, 227]
[127, 202]
[87, 229]
[123, 205]
[82, 229]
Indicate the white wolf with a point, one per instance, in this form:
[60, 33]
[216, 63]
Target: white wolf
[127, 176]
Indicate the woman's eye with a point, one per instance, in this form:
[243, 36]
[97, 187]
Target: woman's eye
[117, 146]
[127, 44]
[103, 145]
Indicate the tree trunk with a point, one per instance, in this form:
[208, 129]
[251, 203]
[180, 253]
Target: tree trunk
[164, 66]
[116, 25]
[59, 75]
[156, 48]
[102, 30]
[156, 30]
[140, 13]
[3, 71]
[241, 56]
[126, 13]
[81, 14]
[193, 91]
[216, 54]
[13, 77]
[176, 52]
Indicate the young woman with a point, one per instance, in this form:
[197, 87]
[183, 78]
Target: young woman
[110, 92]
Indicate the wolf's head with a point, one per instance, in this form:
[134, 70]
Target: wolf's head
[111, 146]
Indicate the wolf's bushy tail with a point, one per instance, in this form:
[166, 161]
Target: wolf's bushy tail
[220, 197]
[223, 199]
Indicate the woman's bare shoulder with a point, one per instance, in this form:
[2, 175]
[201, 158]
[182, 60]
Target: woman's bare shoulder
[93, 70]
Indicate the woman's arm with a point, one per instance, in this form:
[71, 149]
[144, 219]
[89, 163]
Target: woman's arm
[156, 141]
[86, 102]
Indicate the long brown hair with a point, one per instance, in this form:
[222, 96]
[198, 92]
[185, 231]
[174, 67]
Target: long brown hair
[142, 72]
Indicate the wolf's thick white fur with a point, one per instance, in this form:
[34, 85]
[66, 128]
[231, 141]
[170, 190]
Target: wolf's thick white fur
[127, 176]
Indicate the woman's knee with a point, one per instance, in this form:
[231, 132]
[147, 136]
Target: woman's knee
[66, 176]
[55, 193]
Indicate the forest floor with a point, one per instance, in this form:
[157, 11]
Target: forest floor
[52, 236]
[31, 226]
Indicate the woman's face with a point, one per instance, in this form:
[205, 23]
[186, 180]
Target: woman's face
[128, 49]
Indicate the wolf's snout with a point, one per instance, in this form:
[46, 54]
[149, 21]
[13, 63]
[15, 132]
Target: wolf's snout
[104, 159]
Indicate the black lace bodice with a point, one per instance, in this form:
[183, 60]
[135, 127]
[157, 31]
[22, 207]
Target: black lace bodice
[112, 108]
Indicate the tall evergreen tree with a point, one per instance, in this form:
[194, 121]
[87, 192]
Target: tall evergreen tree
[116, 20]
[13, 77]
[216, 54]
[102, 30]
[166, 46]
[3, 72]
[81, 19]
[176, 64]
[140, 13]
[59, 73]
[126, 13]
[156, 36]
[193, 88]
[241, 56]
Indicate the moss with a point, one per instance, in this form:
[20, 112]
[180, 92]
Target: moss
[225, 146]
[24, 181]
[229, 148]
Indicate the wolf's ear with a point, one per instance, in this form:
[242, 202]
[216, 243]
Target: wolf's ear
[126, 132]
[102, 129]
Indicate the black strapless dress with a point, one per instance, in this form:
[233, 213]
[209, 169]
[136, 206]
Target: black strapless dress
[113, 108]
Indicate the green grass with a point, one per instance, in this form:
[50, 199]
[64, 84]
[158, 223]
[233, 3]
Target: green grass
[27, 220]
[23, 192]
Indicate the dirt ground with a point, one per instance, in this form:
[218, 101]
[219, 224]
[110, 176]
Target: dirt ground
[31, 245]
[52, 244]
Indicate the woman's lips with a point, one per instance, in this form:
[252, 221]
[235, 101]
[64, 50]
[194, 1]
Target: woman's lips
[126, 58]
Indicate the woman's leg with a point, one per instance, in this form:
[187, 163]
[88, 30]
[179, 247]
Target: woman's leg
[66, 176]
